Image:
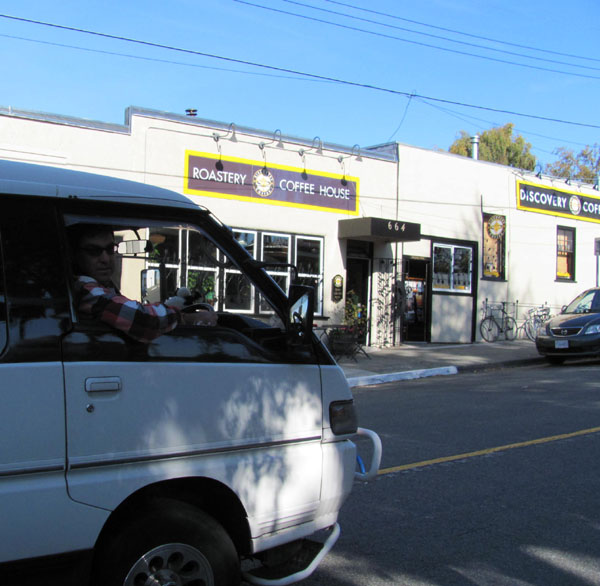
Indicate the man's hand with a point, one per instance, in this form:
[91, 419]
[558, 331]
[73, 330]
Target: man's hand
[200, 318]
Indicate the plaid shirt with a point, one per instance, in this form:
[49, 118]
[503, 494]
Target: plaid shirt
[141, 322]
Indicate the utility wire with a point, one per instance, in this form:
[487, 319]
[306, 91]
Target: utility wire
[449, 30]
[157, 60]
[402, 120]
[421, 44]
[304, 74]
[465, 43]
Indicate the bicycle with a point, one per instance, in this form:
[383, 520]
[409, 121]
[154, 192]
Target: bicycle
[491, 326]
[536, 316]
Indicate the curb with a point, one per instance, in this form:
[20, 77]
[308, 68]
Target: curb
[378, 379]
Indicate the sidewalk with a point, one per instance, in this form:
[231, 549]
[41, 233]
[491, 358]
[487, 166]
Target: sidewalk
[417, 360]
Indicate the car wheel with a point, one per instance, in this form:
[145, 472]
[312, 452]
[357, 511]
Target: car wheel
[555, 360]
[171, 543]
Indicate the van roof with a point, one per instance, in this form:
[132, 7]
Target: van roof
[28, 179]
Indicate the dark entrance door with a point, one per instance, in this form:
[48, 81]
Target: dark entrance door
[415, 326]
[358, 279]
[358, 274]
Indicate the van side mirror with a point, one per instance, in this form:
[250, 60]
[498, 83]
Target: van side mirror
[150, 281]
[301, 307]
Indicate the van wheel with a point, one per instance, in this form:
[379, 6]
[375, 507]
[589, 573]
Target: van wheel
[173, 543]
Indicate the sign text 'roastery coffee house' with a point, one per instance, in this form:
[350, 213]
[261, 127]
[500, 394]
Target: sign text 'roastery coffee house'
[246, 180]
[556, 202]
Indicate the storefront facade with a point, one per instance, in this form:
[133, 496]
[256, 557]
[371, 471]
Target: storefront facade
[409, 241]
[489, 233]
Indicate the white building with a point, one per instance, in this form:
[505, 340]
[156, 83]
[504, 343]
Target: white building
[414, 240]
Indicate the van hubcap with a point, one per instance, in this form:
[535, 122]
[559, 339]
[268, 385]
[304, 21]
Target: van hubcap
[172, 564]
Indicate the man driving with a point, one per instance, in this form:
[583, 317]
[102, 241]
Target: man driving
[96, 296]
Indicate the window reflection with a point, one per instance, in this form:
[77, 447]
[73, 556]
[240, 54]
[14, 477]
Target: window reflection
[246, 239]
[238, 293]
[276, 248]
[203, 286]
[452, 267]
[166, 245]
[202, 252]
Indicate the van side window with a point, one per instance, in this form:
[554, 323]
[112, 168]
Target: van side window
[35, 284]
[158, 259]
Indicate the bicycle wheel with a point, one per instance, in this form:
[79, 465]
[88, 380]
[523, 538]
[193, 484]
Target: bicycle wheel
[489, 329]
[509, 327]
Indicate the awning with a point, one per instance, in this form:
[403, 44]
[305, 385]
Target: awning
[379, 229]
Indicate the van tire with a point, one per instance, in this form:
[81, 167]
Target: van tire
[170, 538]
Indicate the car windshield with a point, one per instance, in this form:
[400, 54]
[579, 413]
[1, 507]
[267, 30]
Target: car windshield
[587, 302]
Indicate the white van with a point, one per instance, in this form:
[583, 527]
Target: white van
[206, 456]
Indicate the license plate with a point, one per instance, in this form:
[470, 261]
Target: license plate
[561, 343]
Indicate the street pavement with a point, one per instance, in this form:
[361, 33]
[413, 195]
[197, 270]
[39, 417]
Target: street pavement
[418, 360]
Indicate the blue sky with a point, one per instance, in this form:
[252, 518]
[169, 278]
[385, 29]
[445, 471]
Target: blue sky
[66, 72]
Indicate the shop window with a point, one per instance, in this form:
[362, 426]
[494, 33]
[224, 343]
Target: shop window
[565, 254]
[309, 261]
[202, 276]
[276, 250]
[190, 258]
[239, 292]
[494, 230]
[452, 268]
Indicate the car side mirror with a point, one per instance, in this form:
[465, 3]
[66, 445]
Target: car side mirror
[301, 303]
[150, 283]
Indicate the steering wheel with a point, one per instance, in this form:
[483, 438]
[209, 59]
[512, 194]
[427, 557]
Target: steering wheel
[196, 306]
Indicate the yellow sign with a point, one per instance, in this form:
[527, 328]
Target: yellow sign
[213, 175]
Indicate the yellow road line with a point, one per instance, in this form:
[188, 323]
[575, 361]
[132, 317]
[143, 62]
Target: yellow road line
[542, 440]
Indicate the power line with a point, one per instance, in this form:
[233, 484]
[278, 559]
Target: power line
[475, 45]
[466, 118]
[304, 74]
[469, 120]
[473, 36]
[157, 60]
[419, 43]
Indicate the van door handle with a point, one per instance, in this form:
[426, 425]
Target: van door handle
[103, 384]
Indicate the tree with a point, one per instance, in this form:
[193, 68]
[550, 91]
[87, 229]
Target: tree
[497, 145]
[583, 166]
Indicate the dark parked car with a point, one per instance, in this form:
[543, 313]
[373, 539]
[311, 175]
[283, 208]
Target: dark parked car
[575, 332]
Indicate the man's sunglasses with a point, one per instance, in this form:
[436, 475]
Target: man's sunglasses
[95, 250]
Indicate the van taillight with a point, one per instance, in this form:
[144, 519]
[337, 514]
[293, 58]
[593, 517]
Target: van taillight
[342, 416]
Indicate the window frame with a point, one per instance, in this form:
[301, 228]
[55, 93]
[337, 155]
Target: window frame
[451, 288]
[228, 272]
[569, 255]
[318, 277]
